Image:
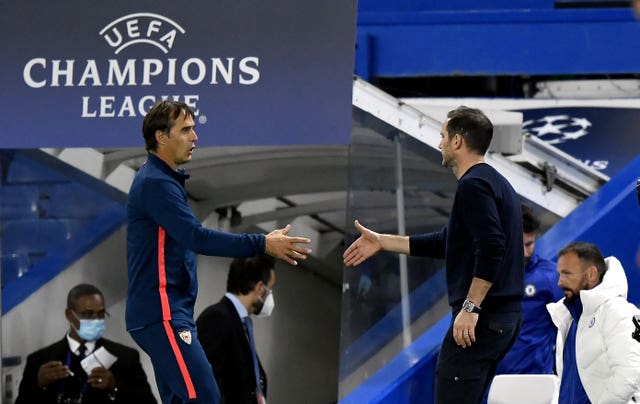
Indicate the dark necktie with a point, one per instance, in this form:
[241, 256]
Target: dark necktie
[82, 351]
[248, 325]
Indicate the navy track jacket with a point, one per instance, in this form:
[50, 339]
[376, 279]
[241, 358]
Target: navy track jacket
[163, 238]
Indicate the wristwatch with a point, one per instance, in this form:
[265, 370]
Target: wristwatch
[470, 307]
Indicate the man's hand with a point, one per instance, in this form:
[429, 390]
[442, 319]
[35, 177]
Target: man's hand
[280, 246]
[51, 372]
[101, 378]
[464, 328]
[364, 247]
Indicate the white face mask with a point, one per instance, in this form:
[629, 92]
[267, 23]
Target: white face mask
[267, 307]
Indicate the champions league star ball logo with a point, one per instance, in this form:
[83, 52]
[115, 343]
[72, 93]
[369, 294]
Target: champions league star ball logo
[557, 129]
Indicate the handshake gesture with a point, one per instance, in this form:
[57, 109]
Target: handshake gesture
[286, 248]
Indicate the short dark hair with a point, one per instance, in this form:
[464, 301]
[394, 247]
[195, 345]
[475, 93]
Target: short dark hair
[530, 224]
[83, 289]
[162, 116]
[245, 273]
[473, 125]
[588, 254]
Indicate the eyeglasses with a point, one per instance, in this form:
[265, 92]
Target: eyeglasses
[91, 315]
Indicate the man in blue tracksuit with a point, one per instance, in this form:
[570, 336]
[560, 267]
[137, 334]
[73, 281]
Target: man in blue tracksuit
[533, 351]
[163, 238]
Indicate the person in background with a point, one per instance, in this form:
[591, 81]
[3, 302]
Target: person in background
[533, 351]
[597, 357]
[482, 248]
[163, 238]
[54, 374]
[225, 330]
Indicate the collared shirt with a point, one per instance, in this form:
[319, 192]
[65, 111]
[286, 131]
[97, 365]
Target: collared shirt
[242, 311]
[74, 345]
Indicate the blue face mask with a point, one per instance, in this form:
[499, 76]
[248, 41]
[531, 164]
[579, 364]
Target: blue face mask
[90, 330]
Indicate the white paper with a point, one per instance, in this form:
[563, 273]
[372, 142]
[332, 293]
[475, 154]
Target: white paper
[98, 358]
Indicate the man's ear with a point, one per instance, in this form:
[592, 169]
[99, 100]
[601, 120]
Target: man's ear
[259, 285]
[68, 315]
[457, 141]
[161, 136]
[592, 276]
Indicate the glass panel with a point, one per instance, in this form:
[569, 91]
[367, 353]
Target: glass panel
[372, 323]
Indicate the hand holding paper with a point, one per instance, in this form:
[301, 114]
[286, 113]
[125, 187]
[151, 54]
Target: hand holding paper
[98, 358]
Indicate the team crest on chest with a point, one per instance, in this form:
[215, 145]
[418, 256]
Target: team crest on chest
[529, 290]
[185, 336]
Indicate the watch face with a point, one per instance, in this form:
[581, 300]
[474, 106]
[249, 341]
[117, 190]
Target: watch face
[468, 306]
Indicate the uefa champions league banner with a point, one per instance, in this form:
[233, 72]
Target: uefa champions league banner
[83, 73]
[606, 139]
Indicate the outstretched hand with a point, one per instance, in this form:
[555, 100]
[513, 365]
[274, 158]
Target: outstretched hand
[286, 248]
[364, 247]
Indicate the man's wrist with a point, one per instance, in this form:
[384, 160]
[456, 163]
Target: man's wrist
[470, 307]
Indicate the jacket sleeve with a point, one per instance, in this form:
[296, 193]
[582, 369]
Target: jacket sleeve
[28, 391]
[622, 351]
[165, 202]
[429, 244]
[480, 214]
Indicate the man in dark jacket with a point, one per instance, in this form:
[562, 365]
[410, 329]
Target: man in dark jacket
[225, 330]
[484, 262]
[54, 374]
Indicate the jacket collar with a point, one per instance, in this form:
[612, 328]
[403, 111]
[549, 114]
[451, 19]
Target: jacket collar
[614, 284]
[157, 162]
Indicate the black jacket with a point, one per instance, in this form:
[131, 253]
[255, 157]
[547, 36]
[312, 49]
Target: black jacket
[222, 335]
[131, 380]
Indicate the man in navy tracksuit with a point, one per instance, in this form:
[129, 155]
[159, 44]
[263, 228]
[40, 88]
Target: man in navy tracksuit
[482, 248]
[163, 238]
[533, 351]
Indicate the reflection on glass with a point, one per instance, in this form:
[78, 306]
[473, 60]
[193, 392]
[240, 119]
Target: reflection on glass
[371, 330]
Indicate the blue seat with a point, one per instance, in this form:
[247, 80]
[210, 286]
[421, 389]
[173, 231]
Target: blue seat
[19, 202]
[14, 266]
[33, 237]
[26, 170]
[73, 200]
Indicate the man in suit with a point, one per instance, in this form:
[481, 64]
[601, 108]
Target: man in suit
[225, 330]
[54, 374]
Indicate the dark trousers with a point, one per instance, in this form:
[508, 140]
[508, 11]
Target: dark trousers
[183, 372]
[463, 375]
